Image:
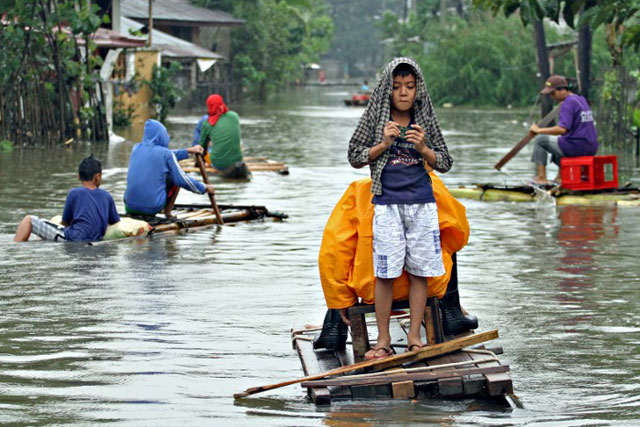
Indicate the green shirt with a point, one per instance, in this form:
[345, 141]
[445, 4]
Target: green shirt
[225, 140]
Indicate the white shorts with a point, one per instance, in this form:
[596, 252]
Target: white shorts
[407, 236]
[47, 230]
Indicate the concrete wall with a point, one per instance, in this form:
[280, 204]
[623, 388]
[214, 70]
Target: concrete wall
[140, 61]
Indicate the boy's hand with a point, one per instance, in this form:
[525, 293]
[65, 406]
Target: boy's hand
[391, 132]
[196, 149]
[416, 136]
[209, 189]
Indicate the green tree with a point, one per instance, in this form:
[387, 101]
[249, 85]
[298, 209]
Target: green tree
[165, 92]
[619, 16]
[279, 37]
[481, 60]
[47, 87]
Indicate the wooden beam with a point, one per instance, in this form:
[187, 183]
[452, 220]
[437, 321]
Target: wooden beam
[361, 380]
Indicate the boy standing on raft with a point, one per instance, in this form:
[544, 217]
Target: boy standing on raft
[88, 211]
[396, 134]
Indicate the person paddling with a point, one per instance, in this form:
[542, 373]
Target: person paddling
[220, 138]
[575, 134]
[154, 176]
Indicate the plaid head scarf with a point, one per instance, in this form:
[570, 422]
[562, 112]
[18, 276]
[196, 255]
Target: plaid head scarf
[370, 129]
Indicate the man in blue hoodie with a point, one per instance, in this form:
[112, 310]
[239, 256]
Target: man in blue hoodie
[155, 176]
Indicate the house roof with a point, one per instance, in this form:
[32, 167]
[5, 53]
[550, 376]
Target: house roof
[107, 38]
[171, 46]
[177, 12]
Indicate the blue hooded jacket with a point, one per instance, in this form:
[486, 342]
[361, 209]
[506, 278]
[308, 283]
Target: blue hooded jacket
[152, 169]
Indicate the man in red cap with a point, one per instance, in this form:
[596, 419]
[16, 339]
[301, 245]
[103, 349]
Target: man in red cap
[574, 135]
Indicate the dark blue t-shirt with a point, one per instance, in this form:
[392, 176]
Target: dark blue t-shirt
[404, 178]
[88, 212]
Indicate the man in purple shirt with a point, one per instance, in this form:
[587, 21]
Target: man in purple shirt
[573, 136]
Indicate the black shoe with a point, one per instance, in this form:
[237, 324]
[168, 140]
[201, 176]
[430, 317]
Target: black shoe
[454, 321]
[334, 332]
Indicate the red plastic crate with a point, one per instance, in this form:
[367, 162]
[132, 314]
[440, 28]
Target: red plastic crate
[589, 172]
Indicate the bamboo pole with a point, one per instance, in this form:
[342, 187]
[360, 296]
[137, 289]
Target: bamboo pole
[205, 179]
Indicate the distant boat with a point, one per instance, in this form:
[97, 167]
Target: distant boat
[359, 99]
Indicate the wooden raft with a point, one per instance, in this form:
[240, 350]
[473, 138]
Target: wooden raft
[255, 164]
[188, 218]
[468, 373]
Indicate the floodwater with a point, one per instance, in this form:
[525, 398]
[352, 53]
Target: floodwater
[164, 331]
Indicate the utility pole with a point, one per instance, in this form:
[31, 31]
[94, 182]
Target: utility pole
[150, 25]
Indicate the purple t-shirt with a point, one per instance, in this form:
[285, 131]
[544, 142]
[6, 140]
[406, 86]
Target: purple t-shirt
[88, 212]
[581, 138]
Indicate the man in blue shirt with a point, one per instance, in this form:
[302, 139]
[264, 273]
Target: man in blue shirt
[88, 211]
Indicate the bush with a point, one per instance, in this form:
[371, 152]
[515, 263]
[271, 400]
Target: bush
[165, 92]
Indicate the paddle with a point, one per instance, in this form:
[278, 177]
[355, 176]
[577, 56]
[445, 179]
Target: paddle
[524, 141]
[387, 362]
[205, 179]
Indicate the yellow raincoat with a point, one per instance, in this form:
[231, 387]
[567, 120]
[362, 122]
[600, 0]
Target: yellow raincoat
[346, 253]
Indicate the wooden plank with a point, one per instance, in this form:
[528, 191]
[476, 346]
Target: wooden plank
[403, 390]
[430, 326]
[362, 380]
[345, 357]
[359, 336]
[310, 366]
[450, 387]
[473, 384]
[370, 308]
[497, 384]
[437, 321]
[436, 350]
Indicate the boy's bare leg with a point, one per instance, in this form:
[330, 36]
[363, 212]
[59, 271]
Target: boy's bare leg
[384, 299]
[24, 230]
[170, 202]
[418, 291]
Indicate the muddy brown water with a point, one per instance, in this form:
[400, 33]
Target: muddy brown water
[164, 331]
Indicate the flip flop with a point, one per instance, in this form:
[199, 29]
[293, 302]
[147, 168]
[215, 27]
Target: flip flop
[411, 347]
[376, 349]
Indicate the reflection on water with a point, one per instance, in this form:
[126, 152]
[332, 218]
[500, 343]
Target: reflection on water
[163, 331]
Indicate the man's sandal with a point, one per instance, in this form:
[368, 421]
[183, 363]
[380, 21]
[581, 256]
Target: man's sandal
[373, 353]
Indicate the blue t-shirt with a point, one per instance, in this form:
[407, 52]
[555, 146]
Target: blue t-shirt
[198, 130]
[404, 178]
[88, 212]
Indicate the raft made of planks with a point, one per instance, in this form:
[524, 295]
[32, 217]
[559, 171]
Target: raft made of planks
[187, 218]
[562, 197]
[465, 373]
[255, 164]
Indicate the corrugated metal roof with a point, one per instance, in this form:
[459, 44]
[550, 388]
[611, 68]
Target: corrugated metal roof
[106, 38]
[177, 11]
[170, 45]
